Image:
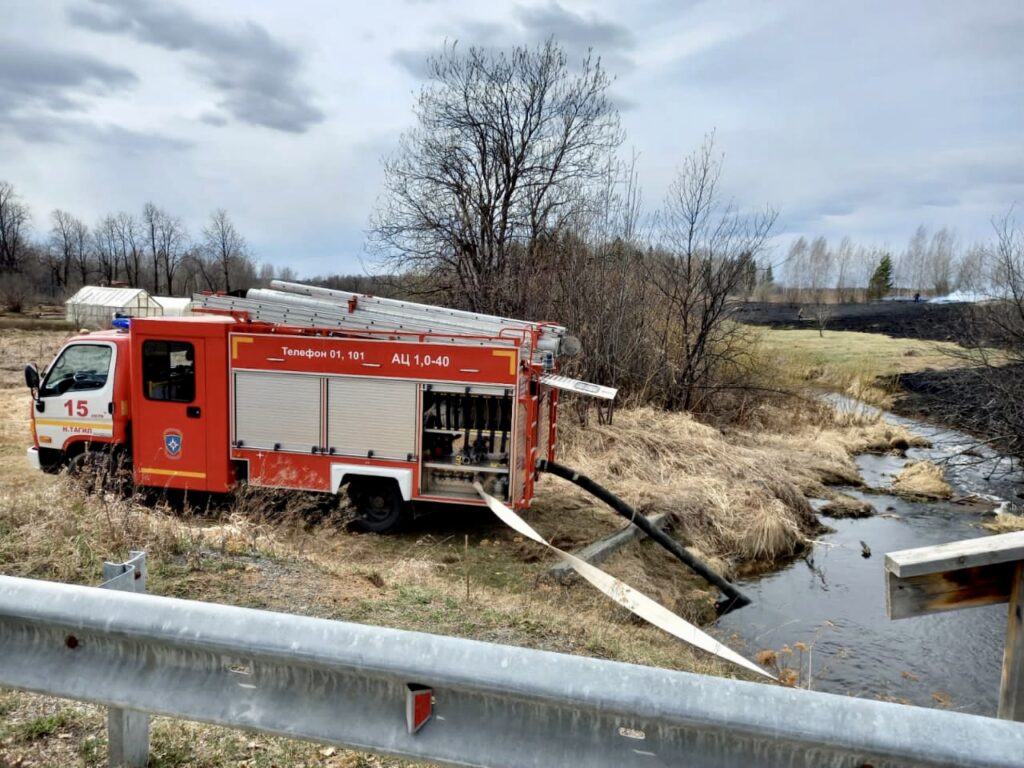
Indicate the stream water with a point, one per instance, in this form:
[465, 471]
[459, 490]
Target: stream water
[833, 600]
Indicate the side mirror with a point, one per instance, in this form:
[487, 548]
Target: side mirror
[31, 376]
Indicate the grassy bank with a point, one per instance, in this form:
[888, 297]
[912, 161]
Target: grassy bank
[736, 496]
[862, 364]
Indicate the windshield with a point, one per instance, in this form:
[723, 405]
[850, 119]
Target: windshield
[79, 367]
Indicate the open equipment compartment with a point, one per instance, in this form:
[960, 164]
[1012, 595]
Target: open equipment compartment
[467, 437]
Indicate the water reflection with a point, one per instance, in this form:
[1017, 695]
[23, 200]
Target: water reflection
[829, 608]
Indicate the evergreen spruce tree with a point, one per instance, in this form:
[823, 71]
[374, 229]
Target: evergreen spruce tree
[881, 281]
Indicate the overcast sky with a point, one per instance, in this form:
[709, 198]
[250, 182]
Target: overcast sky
[860, 118]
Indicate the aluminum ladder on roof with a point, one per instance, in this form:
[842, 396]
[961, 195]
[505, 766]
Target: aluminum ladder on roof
[408, 313]
[315, 307]
[312, 306]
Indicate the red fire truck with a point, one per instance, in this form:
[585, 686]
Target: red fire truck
[309, 388]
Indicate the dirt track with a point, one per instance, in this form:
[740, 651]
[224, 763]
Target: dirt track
[904, 319]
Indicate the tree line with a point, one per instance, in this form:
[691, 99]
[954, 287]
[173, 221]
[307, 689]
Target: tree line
[932, 264]
[152, 249]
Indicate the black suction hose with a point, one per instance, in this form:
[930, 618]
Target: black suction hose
[732, 599]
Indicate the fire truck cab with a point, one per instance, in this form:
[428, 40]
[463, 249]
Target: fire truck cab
[310, 389]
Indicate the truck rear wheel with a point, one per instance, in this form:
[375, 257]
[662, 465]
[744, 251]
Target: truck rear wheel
[379, 504]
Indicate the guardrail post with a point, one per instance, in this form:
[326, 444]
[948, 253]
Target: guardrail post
[127, 729]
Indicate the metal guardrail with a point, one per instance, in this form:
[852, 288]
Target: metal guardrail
[490, 705]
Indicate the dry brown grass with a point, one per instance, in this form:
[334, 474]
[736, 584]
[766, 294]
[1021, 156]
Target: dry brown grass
[738, 496]
[815, 444]
[843, 506]
[922, 480]
[724, 498]
[41, 732]
[1004, 522]
[20, 347]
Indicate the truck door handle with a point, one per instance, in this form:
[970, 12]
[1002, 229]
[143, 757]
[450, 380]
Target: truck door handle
[193, 411]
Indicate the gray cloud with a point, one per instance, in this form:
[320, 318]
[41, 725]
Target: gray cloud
[934, 181]
[622, 102]
[87, 18]
[44, 93]
[32, 78]
[578, 34]
[414, 61]
[257, 75]
[576, 31]
[993, 31]
[581, 35]
[62, 129]
[213, 118]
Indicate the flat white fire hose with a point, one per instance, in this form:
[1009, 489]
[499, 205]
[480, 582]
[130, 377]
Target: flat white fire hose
[622, 593]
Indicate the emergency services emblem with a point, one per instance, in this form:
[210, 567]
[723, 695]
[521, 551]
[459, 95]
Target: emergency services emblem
[172, 443]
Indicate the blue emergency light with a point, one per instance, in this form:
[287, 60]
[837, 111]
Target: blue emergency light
[121, 322]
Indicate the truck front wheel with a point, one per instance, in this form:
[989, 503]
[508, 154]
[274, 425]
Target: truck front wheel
[101, 470]
[379, 504]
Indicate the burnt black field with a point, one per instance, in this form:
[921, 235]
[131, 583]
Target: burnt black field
[902, 319]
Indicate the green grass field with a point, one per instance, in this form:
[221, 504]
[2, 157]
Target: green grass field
[847, 360]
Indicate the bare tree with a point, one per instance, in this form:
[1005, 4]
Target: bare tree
[152, 217]
[599, 287]
[493, 171]
[819, 270]
[105, 249]
[797, 268]
[192, 271]
[766, 286]
[942, 257]
[1006, 283]
[173, 243]
[81, 252]
[130, 246]
[822, 314]
[15, 220]
[66, 234]
[225, 248]
[911, 265]
[700, 266]
[166, 238]
[845, 257]
[864, 262]
[15, 291]
[970, 269]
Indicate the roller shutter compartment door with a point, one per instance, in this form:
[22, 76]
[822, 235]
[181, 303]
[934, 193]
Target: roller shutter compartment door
[277, 409]
[372, 415]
